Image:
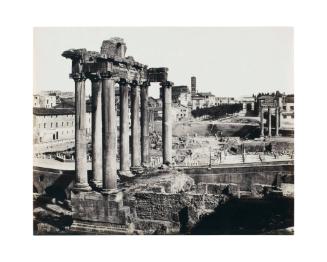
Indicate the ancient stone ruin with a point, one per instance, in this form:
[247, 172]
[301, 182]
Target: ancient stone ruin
[149, 203]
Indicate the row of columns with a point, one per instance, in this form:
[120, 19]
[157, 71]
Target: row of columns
[104, 134]
[277, 114]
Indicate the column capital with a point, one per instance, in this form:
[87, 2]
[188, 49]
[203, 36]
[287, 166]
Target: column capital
[144, 84]
[123, 81]
[167, 84]
[78, 77]
[105, 75]
[94, 77]
[135, 83]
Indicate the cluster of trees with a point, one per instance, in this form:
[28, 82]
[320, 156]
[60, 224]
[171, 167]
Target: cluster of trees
[216, 112]
[269, 94]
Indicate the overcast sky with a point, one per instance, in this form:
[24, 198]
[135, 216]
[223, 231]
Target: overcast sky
[226, 61]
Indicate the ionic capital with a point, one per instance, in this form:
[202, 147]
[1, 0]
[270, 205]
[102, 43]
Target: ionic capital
[78, 77]
[135, 83]
[94, 77]
[105, 75]
[145, 84]
[167, 84]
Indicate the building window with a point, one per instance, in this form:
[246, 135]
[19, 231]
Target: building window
[292, 117]
[284, 116]
[284, 107]
[51, 124]
[62, 124]
[45, 125]
[292, 107]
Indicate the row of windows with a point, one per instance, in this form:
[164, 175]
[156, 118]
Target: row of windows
[55, 116]
[288, 117]
[56, 137]
[291, 107]
[57, 124]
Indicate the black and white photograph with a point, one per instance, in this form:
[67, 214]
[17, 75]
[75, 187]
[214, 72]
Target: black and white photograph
[163, 130]
[138, 134]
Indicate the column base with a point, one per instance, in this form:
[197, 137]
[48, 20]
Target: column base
[109, 191]
[96, 183]
[125, 173]
[137, 169]
[145, 165]
[165, 166]
[82, 187]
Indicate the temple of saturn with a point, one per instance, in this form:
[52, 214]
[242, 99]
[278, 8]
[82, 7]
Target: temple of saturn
[269, 103]
[105, 69]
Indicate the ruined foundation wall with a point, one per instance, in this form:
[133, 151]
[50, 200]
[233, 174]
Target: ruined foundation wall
[244, 176]
[160, 204]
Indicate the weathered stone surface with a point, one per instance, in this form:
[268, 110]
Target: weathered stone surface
[170, 181]
[166, 202]
[200, 188]
[287, 189]
[222, 188]
[94, 206]
[259, 190]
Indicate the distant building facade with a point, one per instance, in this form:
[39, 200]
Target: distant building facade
[180, 112]
[52, 124]
[44, 101]
[287, 112]
[181, 95]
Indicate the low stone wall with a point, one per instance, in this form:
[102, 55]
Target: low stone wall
[245, 175]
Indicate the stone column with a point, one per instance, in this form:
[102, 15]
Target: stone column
[109, 127]
[145, 142]
[262, 122]
[167, 123]
[96, 130]
[124, 130]
[269, 121]
[277, 121]
[136, 128]
[81, 183]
